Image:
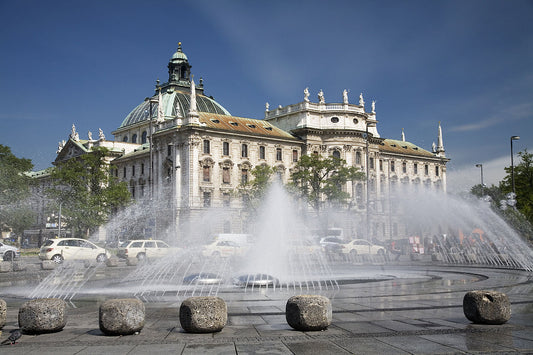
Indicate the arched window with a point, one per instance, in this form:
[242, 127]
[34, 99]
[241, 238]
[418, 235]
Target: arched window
[336, 154]
[143, 137]
[358, 158]
[125, 139]
[134, 138]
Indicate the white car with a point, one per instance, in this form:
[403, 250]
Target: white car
[60, 249]
[146, 248]
[8, 252]
[362, 246]
[223, 248]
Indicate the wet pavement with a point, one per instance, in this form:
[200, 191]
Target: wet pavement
[417, 311]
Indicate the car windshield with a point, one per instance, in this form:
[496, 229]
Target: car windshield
[48, 243]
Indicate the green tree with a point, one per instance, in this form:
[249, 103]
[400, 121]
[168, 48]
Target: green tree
[319, 180]
[15, 190]
[88, 192]
[523, 180]
[255, 189]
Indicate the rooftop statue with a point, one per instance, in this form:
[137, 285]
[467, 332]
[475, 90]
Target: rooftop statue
[345, 96]
[73, 134]
[361, 101]
[101, 134]
[267, 106]
[321, 97]
[306, 94]
[373, 106]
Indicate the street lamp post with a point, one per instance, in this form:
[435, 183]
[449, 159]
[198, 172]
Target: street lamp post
[513, 138]
[482, 185]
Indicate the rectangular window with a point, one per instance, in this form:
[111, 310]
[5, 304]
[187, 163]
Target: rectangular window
[225, 148]
[404, 167]
[207, 199]
[133, 170]
[437, 171]
[278, 154]
[124, 172]
[261, 152]
[392, 165]
[207, 173]
[225, 175]
[207, 148]
[244, 151]
[371, 164]
[426, 169]
[142, 168]
[415, 167]
[295, 156]
[381, 164]
[226, 199]
[244, 176]
[169, 149]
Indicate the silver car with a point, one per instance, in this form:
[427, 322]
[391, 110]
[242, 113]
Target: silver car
[8, 252]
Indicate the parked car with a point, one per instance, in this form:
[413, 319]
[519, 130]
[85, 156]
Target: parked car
[223, 248]
[145, 248]
[331, 244]
[8, 252]
[256, 280]
[60, 249]
[362, 246]
[203, 278]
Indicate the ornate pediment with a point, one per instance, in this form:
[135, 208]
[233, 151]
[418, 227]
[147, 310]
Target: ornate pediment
[70, 150]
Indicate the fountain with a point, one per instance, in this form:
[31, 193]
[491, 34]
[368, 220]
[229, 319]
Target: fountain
[282, 252]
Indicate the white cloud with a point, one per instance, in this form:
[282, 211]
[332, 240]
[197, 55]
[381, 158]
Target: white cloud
[504, 115]
[464, 177]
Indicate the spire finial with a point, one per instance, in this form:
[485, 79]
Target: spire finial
[179, 46]
[440, 145]
[403, 136]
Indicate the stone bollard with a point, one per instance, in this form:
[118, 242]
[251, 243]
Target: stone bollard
[309, 312]
[6, 266]
[48, 265]
[3, 313]
[123, 316]
[203, 314]
[112, 261]
[132, 261]
[487, 307]
[42, 315]
[19, 265]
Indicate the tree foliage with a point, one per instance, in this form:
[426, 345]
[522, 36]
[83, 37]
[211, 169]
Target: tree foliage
[87, 191]
[255, 189]
[319, 180]
[14, 191]
[523, 181]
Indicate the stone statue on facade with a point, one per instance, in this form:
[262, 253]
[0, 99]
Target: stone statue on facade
[361, 101]
[60, 147]
[90, 135]
[101, 134]
[267, 106]
[345, 97]
[321, 97]
[73, 134]
[433, 147]
[373, 106]
[306, 94]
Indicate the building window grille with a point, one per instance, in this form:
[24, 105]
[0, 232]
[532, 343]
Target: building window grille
[244, 151]
[225, 148]
[207, 148]
[295, 156]
[207, 173]
[225, 175]
[358, 158]
[244, 176]
[262, 152]
[278, 154]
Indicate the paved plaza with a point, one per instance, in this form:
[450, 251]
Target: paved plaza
[416, 308]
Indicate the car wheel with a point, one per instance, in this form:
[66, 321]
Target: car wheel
[9, 255]
[141, 256]
[353, 252]
[57, 258]
[381, 252]
[101, 258]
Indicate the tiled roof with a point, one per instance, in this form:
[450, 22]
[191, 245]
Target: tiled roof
[244, 125]
[401, 147]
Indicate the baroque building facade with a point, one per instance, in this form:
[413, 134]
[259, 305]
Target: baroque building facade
[200, 153]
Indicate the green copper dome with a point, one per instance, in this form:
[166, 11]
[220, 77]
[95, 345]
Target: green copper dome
[179, 55]
[175, 103]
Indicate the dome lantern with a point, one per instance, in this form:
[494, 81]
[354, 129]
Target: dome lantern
[179, 69]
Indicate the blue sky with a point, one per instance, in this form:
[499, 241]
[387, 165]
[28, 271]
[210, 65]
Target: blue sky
[468, 64]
